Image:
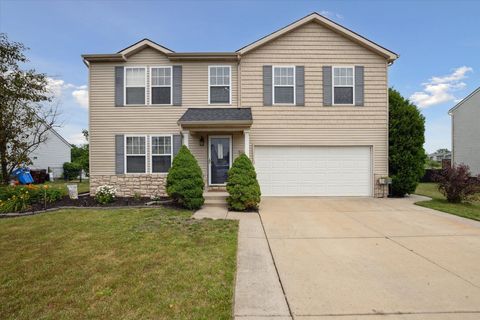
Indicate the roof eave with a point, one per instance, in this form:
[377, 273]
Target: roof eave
[115, 57]
[463, 100]
[215, 122]
[204, 56]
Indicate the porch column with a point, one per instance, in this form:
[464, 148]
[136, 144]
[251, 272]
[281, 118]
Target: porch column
[185, 134]
[246, 137]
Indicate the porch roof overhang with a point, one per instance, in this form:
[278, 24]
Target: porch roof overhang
[225, 119]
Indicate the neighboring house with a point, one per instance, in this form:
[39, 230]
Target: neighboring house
[440, 156]
[307, 103]
[466, 132]
[52, 154]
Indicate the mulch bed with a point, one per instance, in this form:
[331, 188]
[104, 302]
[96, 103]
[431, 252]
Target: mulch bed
[85, 201]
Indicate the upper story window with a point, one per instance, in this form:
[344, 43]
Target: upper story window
[135, 154]
[161, 153]
[219, 84]
[161, 85]
[135, 82]
[283, 85]
[343, 85]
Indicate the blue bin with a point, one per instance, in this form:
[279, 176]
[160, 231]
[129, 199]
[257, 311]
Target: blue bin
[23, 175]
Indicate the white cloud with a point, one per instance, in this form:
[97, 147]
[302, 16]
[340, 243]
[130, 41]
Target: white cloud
[330, 14]
[76, 138]
[58, 88]
[440, 89]
[81, 97]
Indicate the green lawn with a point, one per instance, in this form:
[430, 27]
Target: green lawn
[83, 186]
[469, 210]
[117, 264]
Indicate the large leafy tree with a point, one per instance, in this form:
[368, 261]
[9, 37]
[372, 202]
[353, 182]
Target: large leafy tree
[26, 112]
[406, 139]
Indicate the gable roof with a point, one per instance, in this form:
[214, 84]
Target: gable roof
[464, 100]
[315, 17]
[142, 44]
[121, 56]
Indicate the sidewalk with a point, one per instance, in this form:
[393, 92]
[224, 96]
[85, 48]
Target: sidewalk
[258, 293]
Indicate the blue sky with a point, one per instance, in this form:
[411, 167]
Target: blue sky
[437, 41]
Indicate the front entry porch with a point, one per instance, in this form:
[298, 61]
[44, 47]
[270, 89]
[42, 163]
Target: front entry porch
[216, 136]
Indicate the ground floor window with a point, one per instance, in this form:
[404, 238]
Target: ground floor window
[135, 154]
[161, 151]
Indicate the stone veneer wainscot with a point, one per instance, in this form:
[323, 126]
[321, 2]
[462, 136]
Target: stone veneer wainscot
[145, 185]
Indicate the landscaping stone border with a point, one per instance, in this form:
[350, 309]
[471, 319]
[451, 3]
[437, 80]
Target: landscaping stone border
[150, 204]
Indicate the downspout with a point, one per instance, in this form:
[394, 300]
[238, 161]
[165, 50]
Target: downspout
[239, 86]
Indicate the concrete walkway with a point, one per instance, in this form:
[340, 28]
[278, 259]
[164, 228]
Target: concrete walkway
[258, 292]
[364, 258]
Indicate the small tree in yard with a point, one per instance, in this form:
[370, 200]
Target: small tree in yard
[456, 183]
[71, 170]
[80, 154]
[24, 118]
[242, 185]
[185, 180]
[406, 139]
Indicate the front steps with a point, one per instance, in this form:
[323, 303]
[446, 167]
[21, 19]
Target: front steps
[215, 199]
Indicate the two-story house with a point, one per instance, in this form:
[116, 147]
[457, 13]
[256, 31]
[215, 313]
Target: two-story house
[307, 103]
[466, 132]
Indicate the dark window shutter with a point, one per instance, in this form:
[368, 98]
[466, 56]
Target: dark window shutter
[327, 85]
[267, 85]
[300, 85]
[119, 154]
[177, 143]
[359, 86]
[177, 86]
[119, 86]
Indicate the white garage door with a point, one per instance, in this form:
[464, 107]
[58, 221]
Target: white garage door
[314, 171]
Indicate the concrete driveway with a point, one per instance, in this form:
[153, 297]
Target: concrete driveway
[361, 258]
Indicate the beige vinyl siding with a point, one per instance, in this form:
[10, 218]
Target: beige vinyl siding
[106, 120]
[194, 76]
[311, 45]
[315, 46]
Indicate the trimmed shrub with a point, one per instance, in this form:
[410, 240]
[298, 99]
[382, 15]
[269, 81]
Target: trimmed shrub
[105, 194]
[456, 183]
[406, 137]
[71, 170]
[242, 185]
[185, 180]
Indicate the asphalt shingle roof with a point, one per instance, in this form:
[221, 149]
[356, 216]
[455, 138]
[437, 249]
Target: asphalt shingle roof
[217, 114]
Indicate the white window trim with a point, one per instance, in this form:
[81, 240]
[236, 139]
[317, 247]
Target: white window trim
[229, 84]
[166, 154]
[125, 85]
[294, 85]
[125, 153]
[157, 86]
[344, 86]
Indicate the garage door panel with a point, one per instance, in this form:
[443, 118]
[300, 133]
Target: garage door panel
[314, 171]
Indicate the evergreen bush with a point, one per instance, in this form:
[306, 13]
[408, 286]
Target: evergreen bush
[406, 139]
[242, 185]
[185, 180]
